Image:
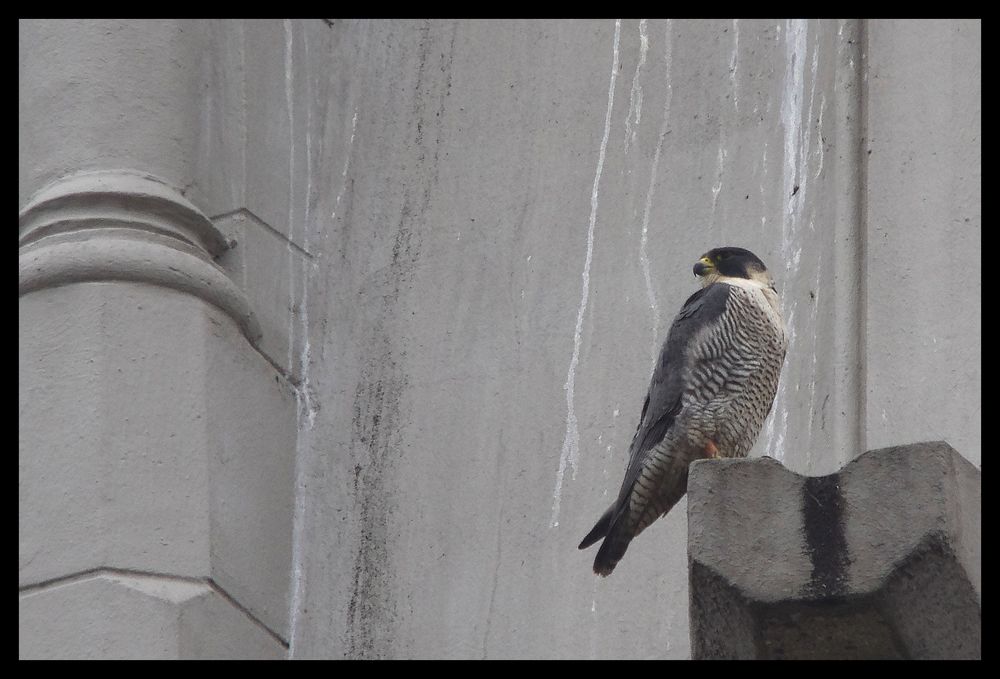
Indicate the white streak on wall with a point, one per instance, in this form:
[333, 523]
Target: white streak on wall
[816, 301]
[571, 443]
[289, 91]
[243, 113]
[347, 165]
[763, 189]
[596, 629]
[722, 153]
[803, 163]
[819, 131]
[305, 387]
[806, 144]
[635, 96]
[719, 162]
[650, 192]
[793, 192]
[733, 63]
[298, 520]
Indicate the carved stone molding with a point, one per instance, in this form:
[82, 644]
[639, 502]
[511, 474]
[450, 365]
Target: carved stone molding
[125, 226]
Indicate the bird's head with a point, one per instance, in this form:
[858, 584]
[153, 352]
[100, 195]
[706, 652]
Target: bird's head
[730, 263]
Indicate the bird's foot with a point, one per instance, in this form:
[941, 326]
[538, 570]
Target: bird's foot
[711, 450]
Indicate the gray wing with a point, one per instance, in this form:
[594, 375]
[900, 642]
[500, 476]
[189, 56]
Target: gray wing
[663, 400]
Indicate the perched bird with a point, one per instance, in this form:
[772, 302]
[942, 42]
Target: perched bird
[712, 388]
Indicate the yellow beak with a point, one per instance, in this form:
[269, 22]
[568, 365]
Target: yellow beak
[703, 266]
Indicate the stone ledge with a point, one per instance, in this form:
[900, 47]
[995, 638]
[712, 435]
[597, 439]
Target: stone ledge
[880, 560]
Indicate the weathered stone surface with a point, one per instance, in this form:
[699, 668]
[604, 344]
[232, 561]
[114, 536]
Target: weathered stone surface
[880, 560]
[131, 616]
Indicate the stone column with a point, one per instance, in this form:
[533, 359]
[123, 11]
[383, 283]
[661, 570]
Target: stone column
[156, 443]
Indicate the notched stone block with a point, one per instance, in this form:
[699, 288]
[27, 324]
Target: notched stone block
[880, 560]
[272, 274]
[131, 616]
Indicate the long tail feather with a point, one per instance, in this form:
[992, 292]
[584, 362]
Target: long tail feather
[614, 545]
[600, 529]
[611, 551]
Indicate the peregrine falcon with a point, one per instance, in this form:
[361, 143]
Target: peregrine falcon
[712, 388]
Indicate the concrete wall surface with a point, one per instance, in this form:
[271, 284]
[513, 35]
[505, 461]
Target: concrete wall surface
[462, 243]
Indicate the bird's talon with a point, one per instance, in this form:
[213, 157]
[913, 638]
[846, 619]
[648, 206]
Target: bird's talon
[711, 450]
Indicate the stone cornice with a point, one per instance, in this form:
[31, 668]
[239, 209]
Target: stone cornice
[124, 226]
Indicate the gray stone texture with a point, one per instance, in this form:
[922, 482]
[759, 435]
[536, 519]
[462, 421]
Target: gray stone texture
[880, 560]
[100, 94]
[132, 616]
[181, 462]
[924, 234]
[463, 242]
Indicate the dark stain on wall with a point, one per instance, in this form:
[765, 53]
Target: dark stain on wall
[379, 416]
[826, 542]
